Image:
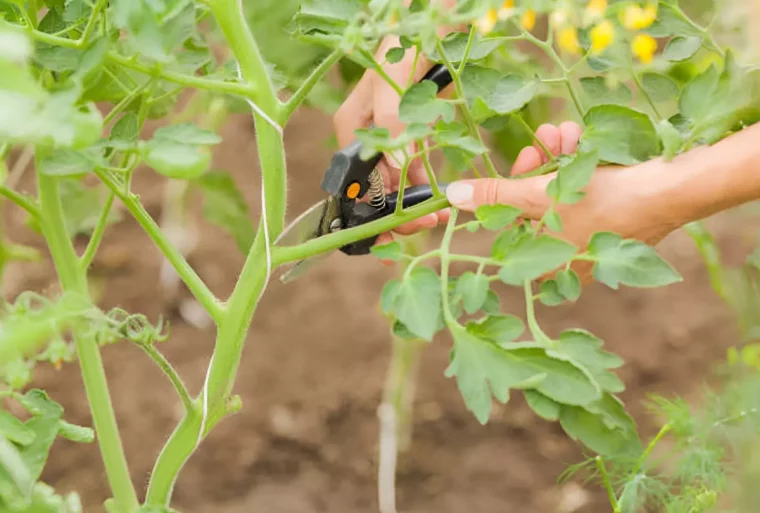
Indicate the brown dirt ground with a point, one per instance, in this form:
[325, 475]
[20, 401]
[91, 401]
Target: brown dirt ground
[314, 367]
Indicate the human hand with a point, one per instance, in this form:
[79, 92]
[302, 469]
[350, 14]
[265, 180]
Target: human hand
[630, 201]
[375, 101]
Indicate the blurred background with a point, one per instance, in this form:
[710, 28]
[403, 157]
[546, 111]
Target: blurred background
[317, 357]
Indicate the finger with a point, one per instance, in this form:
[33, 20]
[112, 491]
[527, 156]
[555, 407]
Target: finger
[443, 216]
[427, 222]
[355, 112]
[550, 136]
[528, 195]
[527, 160]
[570, 135]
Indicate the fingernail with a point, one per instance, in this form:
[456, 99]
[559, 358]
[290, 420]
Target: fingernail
[460, 194]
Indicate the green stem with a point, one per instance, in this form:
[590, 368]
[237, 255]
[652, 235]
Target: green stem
[194, 283]
[663, 431]
[300, 95]
[430, 174]
[607, 484]
[96, 386]
[402, 185]
[378, 68]
[530, 309]
[466, 114]
[233, 326]
[171, 373]
[549, 154]
[448, 235]
[467, 50]
[97, 234]
[20, 200]
[285, 254]
[92, 21]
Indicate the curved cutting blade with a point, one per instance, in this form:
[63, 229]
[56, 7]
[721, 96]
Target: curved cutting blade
[313, 223]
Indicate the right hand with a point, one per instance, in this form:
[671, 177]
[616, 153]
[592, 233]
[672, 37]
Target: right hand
[373, 100]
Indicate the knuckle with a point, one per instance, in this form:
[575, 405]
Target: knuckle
[493, 192]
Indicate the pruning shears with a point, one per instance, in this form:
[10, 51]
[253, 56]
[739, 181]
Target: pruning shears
[348, 179]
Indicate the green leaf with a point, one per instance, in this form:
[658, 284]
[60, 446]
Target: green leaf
[568, 284]
[420, 104]
[155, 27]
[672, 139]
[389, 295]
[418, 302]
[225, 206]
[70, 163]
[82, 206]
[681, 48]
[572, 177]
[598, 91]
[45, 425]
[661, 88]
[14, 430]
[628, 262]
[604, 427]
[455, 135]
[391, 251]
[497, 328]
[542, 405]
[15, 45]
[621, 135]
[489, 93]
[695, 101]
[76, 433]
[482, 367]
[127, 129]
[378, 140]
[177, 160]
[38, 403]
[187, 133]
[12, 463]
[455, 43]
[671, 21]
[473, 289]
[395, 55]
[549, 293]
[529, 258]
[496, 217]
[584, 349]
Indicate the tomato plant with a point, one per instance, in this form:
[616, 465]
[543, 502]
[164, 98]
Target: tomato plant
[60, 60]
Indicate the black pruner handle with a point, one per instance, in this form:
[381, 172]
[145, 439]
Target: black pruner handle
[364, 213]
[348, 175]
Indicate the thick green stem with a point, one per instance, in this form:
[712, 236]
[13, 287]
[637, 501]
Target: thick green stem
[211, 405]
[73, 279]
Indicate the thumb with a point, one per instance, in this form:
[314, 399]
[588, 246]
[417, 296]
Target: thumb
[528, 194]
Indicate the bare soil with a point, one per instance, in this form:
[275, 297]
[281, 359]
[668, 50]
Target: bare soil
[315, 362]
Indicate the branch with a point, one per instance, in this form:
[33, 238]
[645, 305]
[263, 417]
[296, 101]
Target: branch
[300, 95]
[196, 285]
[97, 234]
[171, 373]
[20, 200]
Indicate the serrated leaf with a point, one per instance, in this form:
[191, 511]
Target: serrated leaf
[225, 206]
[481, 367]
[531, 257]
[598, 91]
[80, 434]
[418, 302]
[420, 104]
[628, 262]
[14, 430]
[378, 140]
[489, 93]
[573, 177]
[584, 349]
[498, 328]
[37, 402]
[671, 21]
[473, 289]
[621, 135]
[542, 405]
[681, 48]
[661, 88]
[592, 430]
[395, 55]
[455, 43]
[694, 102]
[496, 217]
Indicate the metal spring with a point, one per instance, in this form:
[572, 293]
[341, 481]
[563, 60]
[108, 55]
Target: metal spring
[376, 191]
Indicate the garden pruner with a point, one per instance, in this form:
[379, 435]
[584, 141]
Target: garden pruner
[350, 178]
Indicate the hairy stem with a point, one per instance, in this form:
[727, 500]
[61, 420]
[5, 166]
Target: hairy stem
[607, 484]
[96, 386]
[170, 373]
[303, 91]
[97, 234]
[20, 200]
[535, 329]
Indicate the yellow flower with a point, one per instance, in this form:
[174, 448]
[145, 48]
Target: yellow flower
[634, 17]
[486, 23]
[644, 46]
[506, 10]
[596, 7]
[568, 40]
[602, 36]
[528, 20]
